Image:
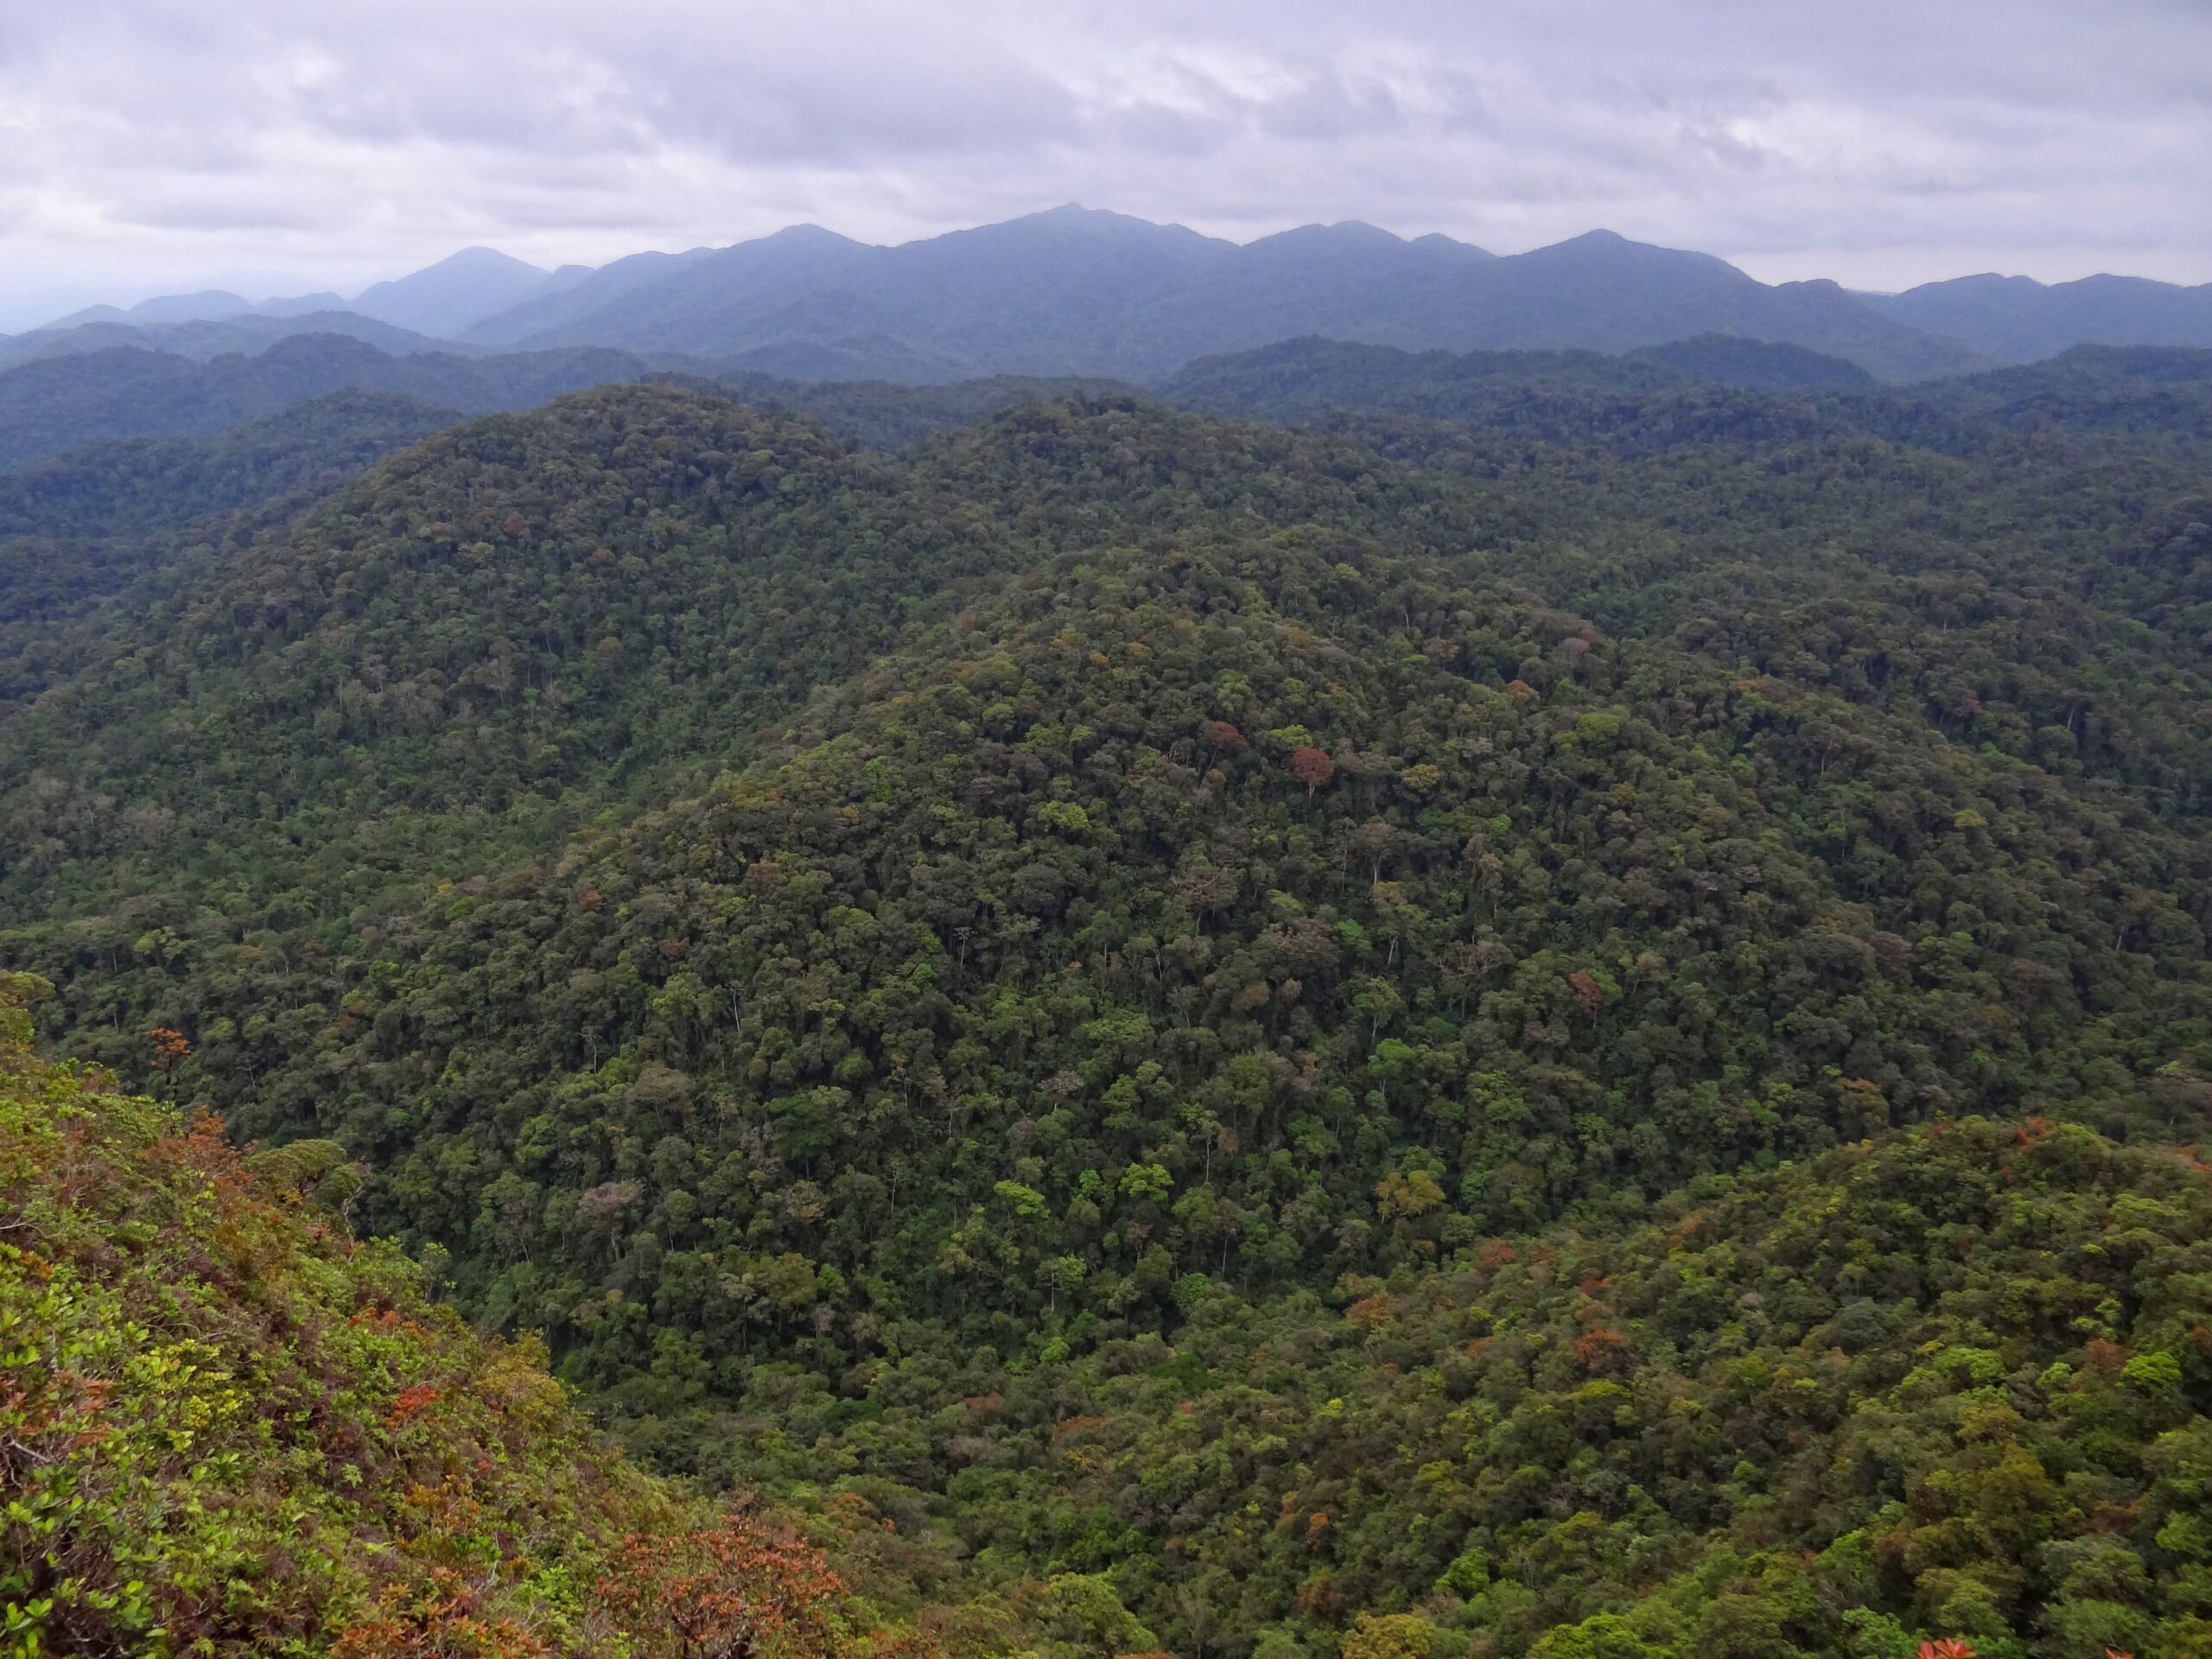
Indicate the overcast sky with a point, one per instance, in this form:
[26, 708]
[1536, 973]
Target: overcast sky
[279, 145]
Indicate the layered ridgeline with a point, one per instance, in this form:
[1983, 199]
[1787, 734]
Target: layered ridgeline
[52, 406]
[228, 1428]
[1066, 988]
[146, 515]
[1712, 392]
[1078, 292]
[62, 412]
[129, 486]
[1072, 291]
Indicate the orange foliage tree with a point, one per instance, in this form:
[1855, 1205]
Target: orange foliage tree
[1312, 768]
[171, 1049]
[737, 1589]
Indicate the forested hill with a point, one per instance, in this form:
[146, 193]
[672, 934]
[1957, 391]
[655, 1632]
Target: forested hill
[231, 1429]
[135, 486]
[51, 406]
[144, 515]
[1709, 392]
[1116, 961]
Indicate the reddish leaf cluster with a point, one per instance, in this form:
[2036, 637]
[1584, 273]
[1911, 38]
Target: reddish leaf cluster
[729, 1591]
[1601, 1351]
[171, 1048]
[1312, 768]
[1589, 994]
[442, 1621]
[408, 1400]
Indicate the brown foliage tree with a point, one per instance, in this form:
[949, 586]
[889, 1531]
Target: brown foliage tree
[1312, 768]
[734, 1591]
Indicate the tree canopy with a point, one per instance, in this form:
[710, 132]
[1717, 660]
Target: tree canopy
[1559, 1015]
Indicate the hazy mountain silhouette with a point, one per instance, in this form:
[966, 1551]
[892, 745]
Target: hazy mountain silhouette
[446, 298]
[53, 404]
[2019, 320]
[209, 306]
[301, 305]
[207, 339]
[1078, 291]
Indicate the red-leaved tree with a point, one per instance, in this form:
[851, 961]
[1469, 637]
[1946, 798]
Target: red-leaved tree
[1312, 768]
[736, 1591]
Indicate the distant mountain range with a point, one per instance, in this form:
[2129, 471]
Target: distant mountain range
[2017, 320]
[441, 301]
[457, 293]
[205, 339]
[1080, 292]
[425, 312]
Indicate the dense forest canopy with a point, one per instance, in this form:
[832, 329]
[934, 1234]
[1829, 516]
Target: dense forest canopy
[130, 487]
[1561, 1008]
[228, 1428]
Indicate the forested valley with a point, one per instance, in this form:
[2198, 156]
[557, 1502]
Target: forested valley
[1366, 1005]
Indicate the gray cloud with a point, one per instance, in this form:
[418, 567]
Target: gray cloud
[160, 143]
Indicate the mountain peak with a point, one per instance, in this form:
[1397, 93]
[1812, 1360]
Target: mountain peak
[809, 236]
[1609, 250]
[442, 300]
[1344, 232]
[1986, 282]
[476, 259]
[1436, 241]
[1599, 246]
[1075, 217]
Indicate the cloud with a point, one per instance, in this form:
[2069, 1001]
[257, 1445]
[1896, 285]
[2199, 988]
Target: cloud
[159, 144]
